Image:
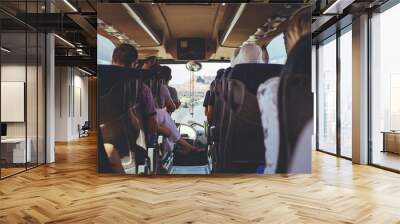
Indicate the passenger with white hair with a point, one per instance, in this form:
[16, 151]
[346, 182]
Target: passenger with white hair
[267, 95]
[249, 53]
[234, 56]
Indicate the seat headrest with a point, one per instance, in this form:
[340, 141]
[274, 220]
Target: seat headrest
[119, 71]
[226, 72]
[299, 58]
[109, 75]
[220, 73]
[252, 75]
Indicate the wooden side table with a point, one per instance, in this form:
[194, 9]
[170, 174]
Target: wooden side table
[391, 141]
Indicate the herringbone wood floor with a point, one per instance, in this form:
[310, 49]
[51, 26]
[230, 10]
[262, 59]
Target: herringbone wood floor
[70, 191]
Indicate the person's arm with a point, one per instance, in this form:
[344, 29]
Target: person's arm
[164, 130]
[210, 113]
[177, 104]
[114, 158]
[151, 124]
[150, 110]
[210, 107]
[169, 103]
[206, 102]
[174, 96]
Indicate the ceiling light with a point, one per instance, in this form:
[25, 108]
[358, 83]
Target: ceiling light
[140, 22]
[5, 50]
[70, 5]
[110, 29]
[65, 41]
[223, 4]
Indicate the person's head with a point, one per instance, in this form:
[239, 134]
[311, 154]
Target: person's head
[125, 55]
[164, 74]
[249, 53]
[299, 25]
[149, 62]
[265, 55]
[234, 55]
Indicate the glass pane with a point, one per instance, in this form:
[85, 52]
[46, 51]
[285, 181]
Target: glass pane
[346, 94]
[13, 87]
[31, 98]
[41, 99]
[385, 84]
[327, 96]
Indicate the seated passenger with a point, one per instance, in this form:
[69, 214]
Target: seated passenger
[268, 96]
[234, 55]
[209, 98]
[170, 99]
[249, 53]
[265, 55]
[150, 62]
[166, 125]
[206, 103]
[125, 55]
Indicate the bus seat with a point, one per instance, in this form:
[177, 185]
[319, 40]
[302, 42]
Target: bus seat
[295, 101]
[221, 118]
[120, 117]
[243, 146]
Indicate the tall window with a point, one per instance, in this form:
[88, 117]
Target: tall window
[327, 96]
[385, 89]
[346, 93]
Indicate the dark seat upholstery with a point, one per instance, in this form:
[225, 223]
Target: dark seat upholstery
[120, 120]
[220, 117]
[243, 148]
[295, 100]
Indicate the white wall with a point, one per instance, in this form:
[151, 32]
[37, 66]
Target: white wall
[71, 102]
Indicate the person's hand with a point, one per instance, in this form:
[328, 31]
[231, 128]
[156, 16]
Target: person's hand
[196, 149]
[185, 151]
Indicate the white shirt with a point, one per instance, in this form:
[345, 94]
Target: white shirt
[267, 96]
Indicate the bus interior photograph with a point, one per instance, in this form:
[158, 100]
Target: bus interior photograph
[212, 69]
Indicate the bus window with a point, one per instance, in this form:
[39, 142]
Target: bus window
[277, 50]
[104, 53]
[181, 82]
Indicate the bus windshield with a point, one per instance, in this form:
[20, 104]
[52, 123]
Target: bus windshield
[191, 109]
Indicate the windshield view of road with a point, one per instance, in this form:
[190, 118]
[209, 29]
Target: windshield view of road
[191, 109]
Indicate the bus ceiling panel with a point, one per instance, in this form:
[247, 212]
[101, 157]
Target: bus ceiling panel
[120, 23]
[190, 20]
[252, 16]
